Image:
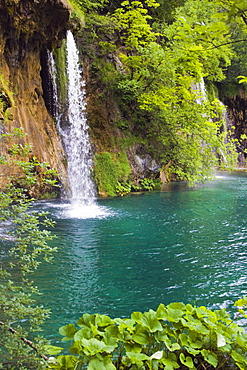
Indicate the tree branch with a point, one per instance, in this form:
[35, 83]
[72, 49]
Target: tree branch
[214, 46]
[26, 341]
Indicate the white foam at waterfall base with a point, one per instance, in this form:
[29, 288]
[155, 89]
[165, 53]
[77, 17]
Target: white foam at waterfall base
[83, 211]
[76, 210]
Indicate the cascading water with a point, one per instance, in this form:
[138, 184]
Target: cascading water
[200, 89]
[73, 130]
[51, 88]
[75, 135]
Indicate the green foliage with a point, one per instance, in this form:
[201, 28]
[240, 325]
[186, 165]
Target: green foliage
[176, 336]
[166, 12]
[242, 79]
[88, 5]
[27, 172]
[24, 244]
[61, 78]
[131, 20]
[122, 188]
[161, 80]
[150, 184]
[77, 11]
[5, 93]
[109, 170]
[151, 70]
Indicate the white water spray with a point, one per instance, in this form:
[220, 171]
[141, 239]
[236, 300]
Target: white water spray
[74, 134]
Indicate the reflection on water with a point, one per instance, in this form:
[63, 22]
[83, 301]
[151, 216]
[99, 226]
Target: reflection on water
[132, 253]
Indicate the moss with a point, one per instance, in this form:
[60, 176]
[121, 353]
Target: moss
[47, 196]
[108, 170]
[5, 93]
[212, 91]
[62, 79]
[77, 13]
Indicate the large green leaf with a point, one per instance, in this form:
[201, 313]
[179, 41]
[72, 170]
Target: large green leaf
[83, 333]
[108, 364]
[184, 339]
[110, 342]
[150, 321]
[52, 350]
[136, 357]
[201, 329]
[161, 312]
[133, 347]
[86, 320]
[114, 331]
[103, 320]
[194, 341]
[67, 362]
[170, 361]
[238, 357]
[161, 336]
[141, 335]
[177, 306]
[93, 346]
[210, 357]
[174, 315]
[172, 346]
[68, 331]
[187, 361]
[101, 363]
[76, 348]
[136, 316]
[97, 364]
[195, 325]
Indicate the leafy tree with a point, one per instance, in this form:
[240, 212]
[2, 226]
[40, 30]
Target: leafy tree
[166, 11]
[131, 20]
[157, 81]
[24, 244]
[164, 80]
[233, 10]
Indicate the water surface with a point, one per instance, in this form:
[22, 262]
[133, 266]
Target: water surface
[132, 253]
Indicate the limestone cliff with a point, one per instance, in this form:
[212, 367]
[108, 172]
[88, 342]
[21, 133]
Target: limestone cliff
[27, 28]
[237, 118]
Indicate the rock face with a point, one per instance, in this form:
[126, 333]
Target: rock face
[237, 117]
[27, 28]
[142, 164]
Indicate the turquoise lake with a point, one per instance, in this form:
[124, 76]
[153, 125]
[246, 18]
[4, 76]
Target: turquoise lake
[131, 253]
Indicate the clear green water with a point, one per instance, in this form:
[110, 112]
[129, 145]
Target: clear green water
[132, 253]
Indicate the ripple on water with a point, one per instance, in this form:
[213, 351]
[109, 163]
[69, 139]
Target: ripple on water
[130, 254]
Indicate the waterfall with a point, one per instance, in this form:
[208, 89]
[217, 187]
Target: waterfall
[73, 130]
[75, 136]
[200, 89]
[72, 126]
[51, 88]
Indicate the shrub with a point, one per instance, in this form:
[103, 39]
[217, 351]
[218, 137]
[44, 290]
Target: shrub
[176, 336]
[123, 188]
[109, 169]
